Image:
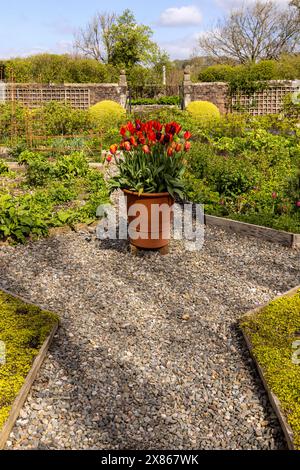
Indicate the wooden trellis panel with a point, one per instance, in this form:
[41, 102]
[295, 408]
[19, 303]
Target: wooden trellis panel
[269, 101]
[35, 96]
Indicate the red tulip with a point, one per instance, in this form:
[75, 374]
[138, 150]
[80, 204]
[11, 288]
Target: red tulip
[274, 195]
[170, 152]
[157, 126]
[172, 128]
[168, 138]
[133, 141]
[141, 138]
[138, 125]
[151, 136]
[298, 204]
[123, 131]
[127, 146]
[113, 149]
[178, 147]
[187, 146]
[146, 149]
[131, 128]
[187, 135]
[109, 159]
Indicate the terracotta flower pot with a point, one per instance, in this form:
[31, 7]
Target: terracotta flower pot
[150, 219]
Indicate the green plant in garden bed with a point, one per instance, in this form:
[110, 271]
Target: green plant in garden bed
[248, 172]
[23, 329]
[272, 332]
[54, 193]
[163, 100]
[3, 168]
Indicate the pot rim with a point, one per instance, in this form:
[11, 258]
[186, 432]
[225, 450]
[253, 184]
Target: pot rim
[149, 195]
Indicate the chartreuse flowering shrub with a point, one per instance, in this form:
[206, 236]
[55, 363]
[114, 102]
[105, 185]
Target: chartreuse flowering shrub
[203, 110]
[107, 114]
[23, 329]
[151, 158]
[272, 332]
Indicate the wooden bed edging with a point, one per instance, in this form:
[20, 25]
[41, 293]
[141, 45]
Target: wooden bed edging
[266, 233]
[287, 430]
[23, 393]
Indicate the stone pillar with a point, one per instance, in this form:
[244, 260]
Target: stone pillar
[187, 87]
[123, 88]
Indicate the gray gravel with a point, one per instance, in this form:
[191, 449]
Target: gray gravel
[148, 355]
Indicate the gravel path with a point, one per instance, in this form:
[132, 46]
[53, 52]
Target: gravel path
[148, 355]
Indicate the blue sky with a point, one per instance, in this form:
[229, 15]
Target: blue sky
[33, 26]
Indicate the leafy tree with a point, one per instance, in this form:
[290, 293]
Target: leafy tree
[132, 42]
[118, 40]
[251, 33]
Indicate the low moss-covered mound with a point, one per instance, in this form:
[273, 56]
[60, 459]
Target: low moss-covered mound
[273, 331]
[23, 329]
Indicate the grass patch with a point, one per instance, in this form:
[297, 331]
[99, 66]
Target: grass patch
[272, 332]
[23, 330]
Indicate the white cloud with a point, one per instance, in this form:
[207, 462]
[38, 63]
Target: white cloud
[181, 48]
[181, 16]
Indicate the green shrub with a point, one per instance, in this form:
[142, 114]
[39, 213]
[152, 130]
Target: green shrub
[54, 68]
[56, 118]
[163, 100]
[216, 73]
[12, 120]
[70, 166]
[291, 106]
[107, 114]
[249, 78]
[3, 168]
[203, 110]
[39, 171]
[21, 217]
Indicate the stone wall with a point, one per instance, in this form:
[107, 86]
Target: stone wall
[80, 96]
[216, 92]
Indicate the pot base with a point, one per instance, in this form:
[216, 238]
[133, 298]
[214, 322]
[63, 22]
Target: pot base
[163, 251]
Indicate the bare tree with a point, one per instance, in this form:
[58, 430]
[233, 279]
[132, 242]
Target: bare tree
[259, 31]
[95, 40]
[295, 3]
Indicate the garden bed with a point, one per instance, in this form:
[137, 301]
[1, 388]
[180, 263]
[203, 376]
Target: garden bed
[48, 193]
[277, 236]
[26, 331]
[269, 332]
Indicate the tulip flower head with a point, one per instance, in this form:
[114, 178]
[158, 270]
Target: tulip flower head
[113, 149]
[187, 146]
[187, 135]
[146, 149]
